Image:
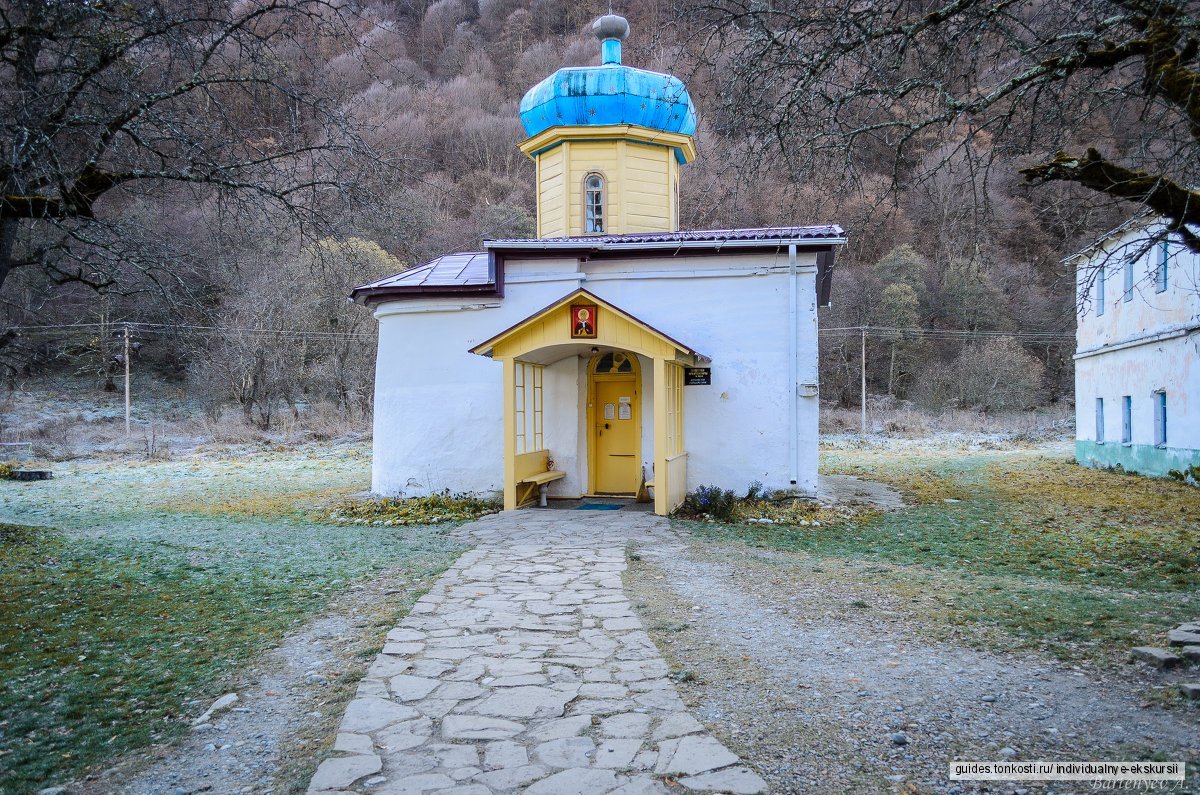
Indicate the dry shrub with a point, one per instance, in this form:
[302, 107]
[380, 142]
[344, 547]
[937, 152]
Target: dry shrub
[994, 375]
[57, 439]
[321, 422]
[312, 423]
[905, 420]
[835, 419]
[227, 428]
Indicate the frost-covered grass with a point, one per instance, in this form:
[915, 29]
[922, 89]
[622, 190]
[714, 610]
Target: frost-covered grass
[1081, 562]
[145, 587]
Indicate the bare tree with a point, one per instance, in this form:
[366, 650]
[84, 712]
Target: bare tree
[103, 102]
[279, 346]
[1100, 94]
[993, 375]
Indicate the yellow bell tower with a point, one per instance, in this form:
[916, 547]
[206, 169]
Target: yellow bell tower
[608, 142]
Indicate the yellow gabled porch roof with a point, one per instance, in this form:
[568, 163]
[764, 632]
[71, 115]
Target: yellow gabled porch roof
[547, 334]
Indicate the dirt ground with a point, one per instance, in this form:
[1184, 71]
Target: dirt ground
[824, 682]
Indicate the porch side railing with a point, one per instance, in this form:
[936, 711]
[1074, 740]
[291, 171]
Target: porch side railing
[676, 479]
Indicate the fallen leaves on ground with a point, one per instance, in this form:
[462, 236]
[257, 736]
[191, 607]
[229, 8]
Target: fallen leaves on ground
[393, 511]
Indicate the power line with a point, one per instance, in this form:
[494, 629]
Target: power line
[202, 330]
[217, 330]
[948, 333]
[185, 329]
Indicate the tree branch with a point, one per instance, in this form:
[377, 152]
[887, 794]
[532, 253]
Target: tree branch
[1179, 205]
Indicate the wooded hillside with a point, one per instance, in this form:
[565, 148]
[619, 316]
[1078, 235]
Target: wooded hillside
[243, 165]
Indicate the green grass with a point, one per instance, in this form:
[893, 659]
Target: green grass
[1080, 562]
[156, 585]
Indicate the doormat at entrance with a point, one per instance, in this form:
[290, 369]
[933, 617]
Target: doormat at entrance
[600, 506]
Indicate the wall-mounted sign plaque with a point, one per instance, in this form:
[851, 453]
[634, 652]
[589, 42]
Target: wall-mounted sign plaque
[697, 376]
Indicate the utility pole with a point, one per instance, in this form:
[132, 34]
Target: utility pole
[126, 325]
[863, 406]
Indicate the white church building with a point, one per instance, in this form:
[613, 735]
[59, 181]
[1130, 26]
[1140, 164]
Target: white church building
[613, 354]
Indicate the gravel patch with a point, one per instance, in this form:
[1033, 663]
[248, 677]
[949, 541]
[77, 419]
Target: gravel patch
[823, 686]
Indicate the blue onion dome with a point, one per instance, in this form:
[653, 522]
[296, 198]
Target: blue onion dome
[610, 93]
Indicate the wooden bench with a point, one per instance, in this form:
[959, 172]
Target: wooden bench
[534, 475]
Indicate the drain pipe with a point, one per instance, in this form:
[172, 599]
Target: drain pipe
[793, 366]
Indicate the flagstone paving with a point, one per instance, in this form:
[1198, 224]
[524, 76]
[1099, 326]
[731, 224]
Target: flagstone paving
[524, 669]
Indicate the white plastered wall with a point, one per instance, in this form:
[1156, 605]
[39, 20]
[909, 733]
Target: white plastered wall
[438, 419]
[735, 310]
[1171, 365]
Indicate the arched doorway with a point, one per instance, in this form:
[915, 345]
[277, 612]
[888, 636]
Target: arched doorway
[615, 423]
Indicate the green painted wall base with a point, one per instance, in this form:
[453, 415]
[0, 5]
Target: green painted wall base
[1144, 459]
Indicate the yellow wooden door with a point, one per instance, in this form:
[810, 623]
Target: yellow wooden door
[615, 436]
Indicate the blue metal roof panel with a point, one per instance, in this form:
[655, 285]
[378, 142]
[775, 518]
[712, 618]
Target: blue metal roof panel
[608, 94]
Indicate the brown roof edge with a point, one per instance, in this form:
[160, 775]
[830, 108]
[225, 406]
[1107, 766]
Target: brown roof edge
[368, 296]
[658, 250]
[702, 238]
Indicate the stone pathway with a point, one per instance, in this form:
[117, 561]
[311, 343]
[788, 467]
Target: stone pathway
[524, 669]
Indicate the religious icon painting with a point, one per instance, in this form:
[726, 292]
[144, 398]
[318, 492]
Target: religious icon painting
[583, 321]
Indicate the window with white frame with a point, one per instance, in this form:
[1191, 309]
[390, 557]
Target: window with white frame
[593, 204]
[527, 407]
[1160, 418]
[1160, 272]
[1100, 420]
[1126, 419]
[1101, 277]
[1128, 281]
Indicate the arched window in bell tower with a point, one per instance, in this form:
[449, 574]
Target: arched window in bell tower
[593, 204]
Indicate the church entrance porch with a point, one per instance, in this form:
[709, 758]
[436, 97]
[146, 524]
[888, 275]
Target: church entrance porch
[579, 377]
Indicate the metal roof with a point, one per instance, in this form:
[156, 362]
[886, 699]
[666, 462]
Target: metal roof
[467, 268]
[475, 272]
[768, 235]
[1138, 221]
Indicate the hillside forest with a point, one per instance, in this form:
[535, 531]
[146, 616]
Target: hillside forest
[222, 172]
